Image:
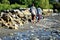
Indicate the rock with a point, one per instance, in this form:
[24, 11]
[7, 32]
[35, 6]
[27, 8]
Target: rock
[21, 24]
[54, 14]
[11, 34]
[34, 38]
[0, 39]
[16, 28]
[26, 12]
[7, 38]
[15, 18]
[31, 27]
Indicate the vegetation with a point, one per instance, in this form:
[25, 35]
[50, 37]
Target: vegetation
[11, 4]
[57, 6]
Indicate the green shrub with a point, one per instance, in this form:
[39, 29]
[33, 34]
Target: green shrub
[13, 6]
[51, 6]
[4, 6]
[57, 6]
[23, 6]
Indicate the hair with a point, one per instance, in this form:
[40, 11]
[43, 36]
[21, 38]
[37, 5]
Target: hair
[32, 4]
[38, 6]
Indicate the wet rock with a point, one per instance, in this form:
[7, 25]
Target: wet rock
[54, 14]
[15, 18]
[31, 27]
[36, 34]
[0, 39]
[6, 38]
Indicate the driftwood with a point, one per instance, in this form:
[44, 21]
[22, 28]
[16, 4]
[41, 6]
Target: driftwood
[14, 20]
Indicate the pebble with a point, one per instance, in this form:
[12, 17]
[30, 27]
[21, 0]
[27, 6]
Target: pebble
[31, 27]
[38, 34]
[0, 39]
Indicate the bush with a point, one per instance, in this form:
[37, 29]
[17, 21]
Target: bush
[4, 6]
[14, 6]
[23, 6]
[51, 6]
[56, 6]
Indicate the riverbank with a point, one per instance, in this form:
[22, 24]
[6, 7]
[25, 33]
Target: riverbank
[50, 23]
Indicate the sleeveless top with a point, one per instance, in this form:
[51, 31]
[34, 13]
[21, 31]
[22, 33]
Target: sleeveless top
[39, 11]
[33, 10]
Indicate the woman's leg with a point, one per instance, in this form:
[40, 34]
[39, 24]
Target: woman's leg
[33, 17]
[38, 17]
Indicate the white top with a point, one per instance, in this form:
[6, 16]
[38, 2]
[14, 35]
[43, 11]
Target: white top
[39, 11]
[33, 10]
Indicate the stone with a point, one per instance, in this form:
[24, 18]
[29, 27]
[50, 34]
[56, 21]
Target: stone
[0, 39]
[16, 28]
[31, 27]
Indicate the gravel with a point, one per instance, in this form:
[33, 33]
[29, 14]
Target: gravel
[47, 28]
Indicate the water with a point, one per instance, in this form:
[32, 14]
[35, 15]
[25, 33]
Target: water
[35, 34]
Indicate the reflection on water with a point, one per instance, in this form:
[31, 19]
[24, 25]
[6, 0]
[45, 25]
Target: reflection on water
[35, 34]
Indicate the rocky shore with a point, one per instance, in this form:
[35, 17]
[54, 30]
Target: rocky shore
[48, 28]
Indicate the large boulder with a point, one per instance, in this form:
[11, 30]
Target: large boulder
[15, 18]
[19, 13]
[27, 14]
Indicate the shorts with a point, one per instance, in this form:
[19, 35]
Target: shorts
[39, 16]
[33, 16]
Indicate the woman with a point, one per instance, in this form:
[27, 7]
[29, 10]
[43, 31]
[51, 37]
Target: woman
[33, 12]
[39, 13]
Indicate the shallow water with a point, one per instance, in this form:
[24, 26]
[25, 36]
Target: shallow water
[35, 34]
